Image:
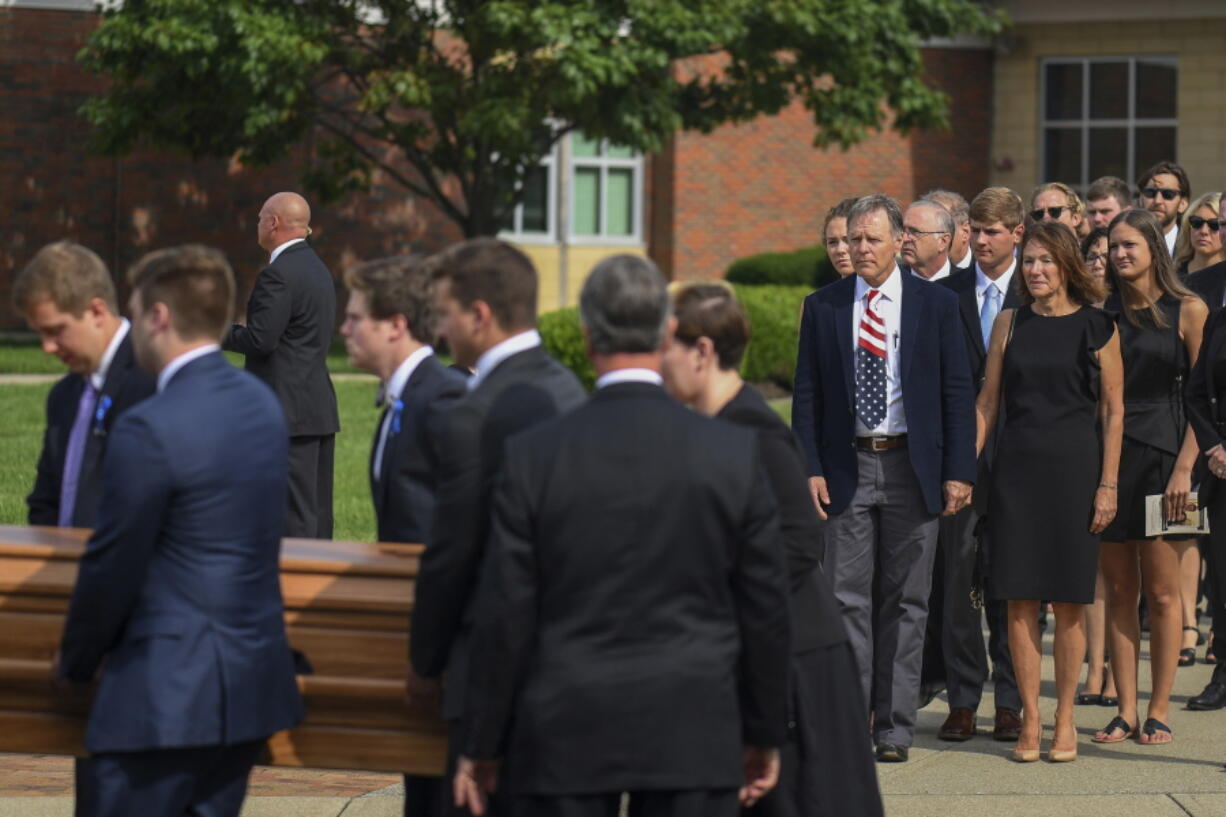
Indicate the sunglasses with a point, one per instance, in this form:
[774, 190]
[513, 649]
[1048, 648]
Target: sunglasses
[1167, 193]
[1196, 222]
[1054, 212]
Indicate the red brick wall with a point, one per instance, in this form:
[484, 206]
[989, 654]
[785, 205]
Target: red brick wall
[762, 186]
[52, 188]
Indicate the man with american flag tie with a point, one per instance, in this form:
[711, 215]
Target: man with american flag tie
[884, 409]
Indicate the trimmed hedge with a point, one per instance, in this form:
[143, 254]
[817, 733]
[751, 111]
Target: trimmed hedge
[774, 315]
[806, 267]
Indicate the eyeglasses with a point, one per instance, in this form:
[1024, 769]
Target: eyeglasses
[1054, 212]
[1167, 193]
[1095, 258]
[1196, 222]
[914, 233]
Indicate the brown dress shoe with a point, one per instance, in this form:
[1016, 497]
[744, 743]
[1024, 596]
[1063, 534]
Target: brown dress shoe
[1008, 725]
[960, 725]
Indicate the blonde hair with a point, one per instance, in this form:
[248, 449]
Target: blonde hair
[1183, 244]
[67, 274]
[1074, 201]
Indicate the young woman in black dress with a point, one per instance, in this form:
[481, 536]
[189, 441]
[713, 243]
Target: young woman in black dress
[1055, 365]
[1160, 323]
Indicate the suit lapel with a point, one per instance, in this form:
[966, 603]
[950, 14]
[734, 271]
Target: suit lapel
[968, 305]
[843, 309]
[913, 295]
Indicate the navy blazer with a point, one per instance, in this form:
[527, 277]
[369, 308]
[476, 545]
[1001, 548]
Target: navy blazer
[938, 398]
[178, 597]
[1210, 284]
[126, 385]
[404, 492]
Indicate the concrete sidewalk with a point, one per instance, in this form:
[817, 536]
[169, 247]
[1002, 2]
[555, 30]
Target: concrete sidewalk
[973, 779]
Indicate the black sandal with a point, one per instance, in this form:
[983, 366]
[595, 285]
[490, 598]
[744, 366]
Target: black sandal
[1152, 727]
[1086, 699]
[1116, 723]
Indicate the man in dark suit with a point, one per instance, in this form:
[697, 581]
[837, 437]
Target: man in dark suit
[486, 303]
[1210, 282]
[927, 230]
[884, 409]
[290, 317]
[960, 255]
[387, 331]
[996, 229]
[625, 644]
[177, 609]
[67, 296]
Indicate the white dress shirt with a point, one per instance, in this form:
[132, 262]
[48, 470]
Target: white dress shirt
[982, 282]
[889, 307]
[500, 352]
[98, 377]
[172, 368]
[943, 272]
[394, 392]
[282, 248]
[967, 260]
[629, 376]
[1172, 235]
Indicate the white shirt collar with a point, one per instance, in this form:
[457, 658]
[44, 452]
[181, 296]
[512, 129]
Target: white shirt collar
[395, 383]
[943, 272]
[98, 377]
[280, 249]
[967, 260]
[629, 376]
[891, 288]
[500, 352]
[172, 368]
[1002, 283]
[1172, 235]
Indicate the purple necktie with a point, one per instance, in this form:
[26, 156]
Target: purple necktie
[74, 454]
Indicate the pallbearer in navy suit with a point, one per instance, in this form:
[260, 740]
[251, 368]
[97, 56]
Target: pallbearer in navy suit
[387, 331]
[884, 411]
[67, 297]
[177, 610]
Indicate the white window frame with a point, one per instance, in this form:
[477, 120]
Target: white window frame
[517, 232]
[1084, 123]
[604, 164]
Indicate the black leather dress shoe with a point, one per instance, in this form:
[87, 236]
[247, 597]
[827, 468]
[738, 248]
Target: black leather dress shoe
[891, 753]
[1212, 697]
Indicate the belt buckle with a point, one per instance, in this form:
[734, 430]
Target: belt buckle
[880, 444]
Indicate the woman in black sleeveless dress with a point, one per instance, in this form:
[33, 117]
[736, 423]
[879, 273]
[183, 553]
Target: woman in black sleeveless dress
[1054, 364]
[1160, 323]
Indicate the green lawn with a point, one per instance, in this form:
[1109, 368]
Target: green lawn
[25, 357]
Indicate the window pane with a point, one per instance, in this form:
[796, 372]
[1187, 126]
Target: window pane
[1063, 90]
[1108, 152]
[580, 145]
[1156, 90]
[536, 201]
[587, 201]
[618, 152]
[620, 202]
[1108, 90]
[1062, 156]
[1153, 145]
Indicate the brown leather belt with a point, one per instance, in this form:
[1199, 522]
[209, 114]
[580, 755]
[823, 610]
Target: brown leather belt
[881, 443]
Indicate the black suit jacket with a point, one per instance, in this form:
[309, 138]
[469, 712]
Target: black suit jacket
[963, 284]
[523, 390]
[404, 492]
[1209, 284]
[634, 626]
[816, 619]
[1203, 393]
[126, 385]
[291, 315]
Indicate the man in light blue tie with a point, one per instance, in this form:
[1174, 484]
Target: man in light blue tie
[68, 298]
[954, 656]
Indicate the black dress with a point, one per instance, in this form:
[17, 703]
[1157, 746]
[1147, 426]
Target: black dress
[1049, 459]
[1155, 367]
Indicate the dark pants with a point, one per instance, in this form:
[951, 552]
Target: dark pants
[1213, 551]
[954, 637]
[199, 782]
[695, 803]
[427, 796]
[828, 768]
[310, 487]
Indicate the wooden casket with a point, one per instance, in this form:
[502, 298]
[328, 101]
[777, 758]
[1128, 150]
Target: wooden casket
[346, 609]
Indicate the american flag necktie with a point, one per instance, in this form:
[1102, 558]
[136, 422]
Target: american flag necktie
[870, 364]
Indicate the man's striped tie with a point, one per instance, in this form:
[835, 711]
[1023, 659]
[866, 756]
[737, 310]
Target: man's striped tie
[871, 364]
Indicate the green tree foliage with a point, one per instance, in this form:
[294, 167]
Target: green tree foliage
[457, 99]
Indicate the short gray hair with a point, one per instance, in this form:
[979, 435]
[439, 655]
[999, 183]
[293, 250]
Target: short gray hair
[625, 306]
[951, 201]
[867, 205]
[945, 221]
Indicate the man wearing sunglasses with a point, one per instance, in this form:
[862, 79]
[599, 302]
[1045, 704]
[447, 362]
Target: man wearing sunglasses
[1055, 201]
[1165, 192]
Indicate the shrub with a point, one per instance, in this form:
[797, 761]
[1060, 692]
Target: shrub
[774, 314]
[807, 267]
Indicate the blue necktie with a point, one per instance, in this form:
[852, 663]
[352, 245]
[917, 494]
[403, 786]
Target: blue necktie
[987, 315]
